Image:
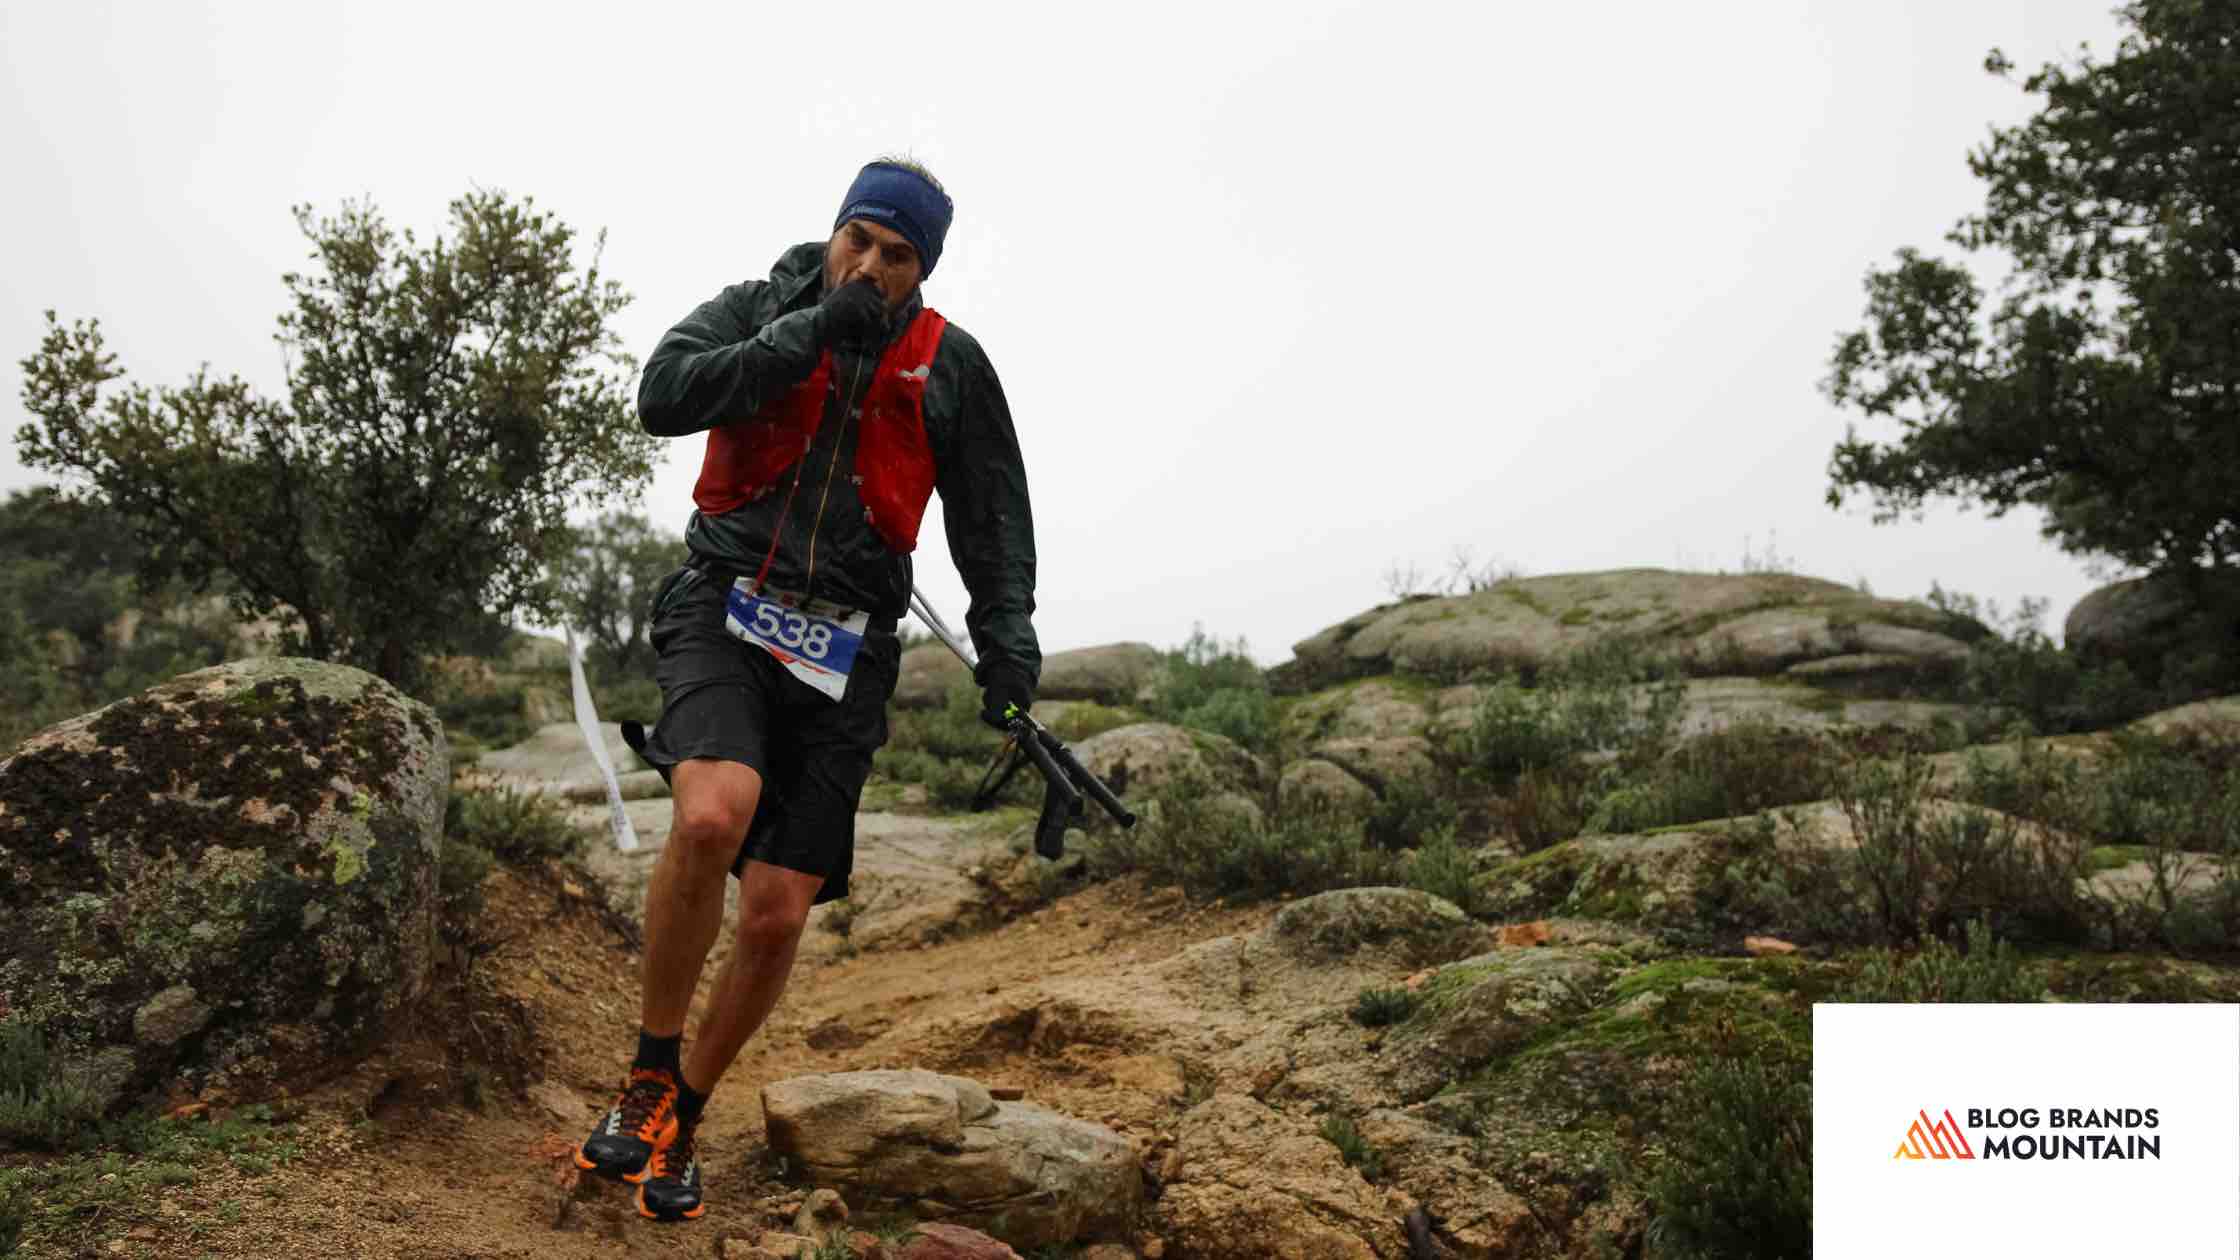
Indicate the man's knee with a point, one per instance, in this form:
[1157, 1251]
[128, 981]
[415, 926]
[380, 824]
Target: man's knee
[768, 925]
[714, 803]
[774, 905]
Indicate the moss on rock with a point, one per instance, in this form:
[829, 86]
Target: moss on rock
[240, 849]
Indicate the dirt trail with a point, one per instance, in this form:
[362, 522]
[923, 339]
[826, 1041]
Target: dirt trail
[428, 1176]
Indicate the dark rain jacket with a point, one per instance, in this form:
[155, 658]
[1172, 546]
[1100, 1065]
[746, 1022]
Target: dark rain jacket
[755, 340]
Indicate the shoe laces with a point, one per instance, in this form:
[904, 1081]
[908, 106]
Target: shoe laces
[678, 1155]
[651, 1092]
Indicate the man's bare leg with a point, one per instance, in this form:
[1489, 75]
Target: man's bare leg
[773, 907]
[715, 801]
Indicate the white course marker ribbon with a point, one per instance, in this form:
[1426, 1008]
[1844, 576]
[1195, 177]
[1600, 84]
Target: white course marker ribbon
[587, 720]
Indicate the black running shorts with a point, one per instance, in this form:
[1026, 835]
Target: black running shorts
[730, 700]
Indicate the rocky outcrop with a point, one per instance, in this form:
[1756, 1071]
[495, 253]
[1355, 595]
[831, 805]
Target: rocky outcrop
[1487, 1006]
[1247, 1182]
[1116, 673]
[1113, 674]
[1138, 760]
[1748, 624]
[2162, 625]
[940, 1143]
[928, 671]
[226, 878]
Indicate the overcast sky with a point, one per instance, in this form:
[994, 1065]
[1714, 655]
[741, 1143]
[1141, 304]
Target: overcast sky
[1283, 296]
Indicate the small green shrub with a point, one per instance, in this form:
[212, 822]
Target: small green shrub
[1546, 806]
[1442, 867]
[461, 869]
[513, 826]
[1736, 1180]
[1745, 769]
[1409, 811]
[1986, 970]
[2172, 801]
[1926, 871]
[2019, 672]
[1339, 1131]
[492, 717]
[1211, 846]
[1212, 685]
[15, 1213]
[1378, 1008]
[43, 1105]
[947, 749]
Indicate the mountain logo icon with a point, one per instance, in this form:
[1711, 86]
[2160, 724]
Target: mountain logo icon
[1928, 1139]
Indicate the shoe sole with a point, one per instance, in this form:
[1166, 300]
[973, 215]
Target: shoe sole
[692, 1213]
[635, 1177]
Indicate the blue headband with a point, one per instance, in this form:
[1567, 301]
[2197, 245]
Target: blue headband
[901, 199]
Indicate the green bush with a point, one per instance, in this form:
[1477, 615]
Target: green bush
[1746, 769]
[1192, 837]
[1553, 750]
[947, 749]
[1547, 805]
[1986, 970]
[1212, 685]
[1926, 871]
[2019, 672]
[1736, 1180]
[2170, 801]
[1409, 811]
[619, 696]
[42, 1104]
[461, 869]
[513, 826]
[493, 717]
[1377, 1008]
[1340, 1131]
[1441, 866]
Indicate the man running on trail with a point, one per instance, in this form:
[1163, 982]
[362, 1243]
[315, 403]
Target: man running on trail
[835, 402]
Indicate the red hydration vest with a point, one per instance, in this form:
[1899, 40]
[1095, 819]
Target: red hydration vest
[894, 464]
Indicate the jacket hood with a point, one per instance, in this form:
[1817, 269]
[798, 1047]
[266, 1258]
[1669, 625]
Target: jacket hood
[799, 270]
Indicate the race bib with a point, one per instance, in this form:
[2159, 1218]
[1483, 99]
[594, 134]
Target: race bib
[816, 642]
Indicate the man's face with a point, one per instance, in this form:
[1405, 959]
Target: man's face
[863, 250]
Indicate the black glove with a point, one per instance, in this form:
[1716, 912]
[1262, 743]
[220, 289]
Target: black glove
[1005, 686]
[855, 314]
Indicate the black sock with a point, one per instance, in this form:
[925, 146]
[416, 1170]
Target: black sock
[660, 1053]
[690, 1102]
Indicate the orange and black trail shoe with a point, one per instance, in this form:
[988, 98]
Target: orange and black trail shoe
[642, 1123]
[672, 1193]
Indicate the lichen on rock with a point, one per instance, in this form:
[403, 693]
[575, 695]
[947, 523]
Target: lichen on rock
[239, 849]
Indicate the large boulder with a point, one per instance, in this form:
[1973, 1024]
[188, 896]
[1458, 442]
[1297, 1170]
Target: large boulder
[1138, 760]
[1759, 623]
[1026, 1174]
[926, 674]
[1116, 673]
[2166, 628]
[229, 878]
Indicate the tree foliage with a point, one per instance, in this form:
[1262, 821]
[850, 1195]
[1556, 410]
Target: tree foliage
[446, 406]
[608, 583]
[76, 631]
[2103, 384]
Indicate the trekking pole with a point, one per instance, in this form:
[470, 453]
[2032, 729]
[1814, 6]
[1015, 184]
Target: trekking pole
[1066, 778]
